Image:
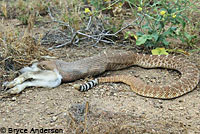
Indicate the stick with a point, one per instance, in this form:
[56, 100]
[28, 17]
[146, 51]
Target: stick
[86, 112]
[102, 37]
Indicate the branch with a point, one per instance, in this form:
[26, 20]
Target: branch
[122, 28]
[58, 21]
[102, 37]
[66, 43]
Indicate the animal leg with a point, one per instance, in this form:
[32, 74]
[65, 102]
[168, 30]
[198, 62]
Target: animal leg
[20, 79]
[43, 75]
[26, 73]
[36, 83]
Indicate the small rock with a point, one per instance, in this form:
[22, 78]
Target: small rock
[111, 93]
[17, 124]
[160, 101]
[87, 95]
[170, 109]
[136, 75]
[64, 114]
[114, 94]
[53, 119]
[153, 80]
[180, 101]
[188, 117]
[101, 90]
[146, 99]
[13, 98]
[190, 132]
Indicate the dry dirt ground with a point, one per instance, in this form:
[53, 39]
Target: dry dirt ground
[110, 108]
[107, 108]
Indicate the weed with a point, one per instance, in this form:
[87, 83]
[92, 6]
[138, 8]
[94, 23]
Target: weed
[4, 9]
[161, 20]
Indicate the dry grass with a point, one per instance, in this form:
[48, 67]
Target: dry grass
[17, 50]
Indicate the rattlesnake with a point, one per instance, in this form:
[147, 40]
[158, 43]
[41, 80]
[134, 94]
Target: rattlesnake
[50, 73]
[115, 60]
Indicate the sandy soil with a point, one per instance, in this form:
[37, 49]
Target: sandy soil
[107, 108]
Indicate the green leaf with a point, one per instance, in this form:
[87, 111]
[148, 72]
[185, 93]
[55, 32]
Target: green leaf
[188, 36]
[173, 28]
[168, 32]
[127, 35]
[159, 51]
[182, 39]
[155, 36]
[139, 33]
[161, 26]
[165, 42]
[180, 20]
[146, 26]
[141, 40]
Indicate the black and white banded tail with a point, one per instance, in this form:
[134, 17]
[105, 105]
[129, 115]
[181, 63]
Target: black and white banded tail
[86, 86]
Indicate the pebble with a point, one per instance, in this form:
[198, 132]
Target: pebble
[153, 80]
[190, 132]
[136, 75]
[17, 124]
[160, 101]
[101, 90]
[53, 119]
[64, 114]
[87, 95]
[13, 98]
[170, 109]
[180, 101]
[188, 117]
[114, 94]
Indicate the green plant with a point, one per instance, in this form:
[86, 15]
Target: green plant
[112, 21]
[4, 9]
[161, 20]
[159, 51]
[23, 18]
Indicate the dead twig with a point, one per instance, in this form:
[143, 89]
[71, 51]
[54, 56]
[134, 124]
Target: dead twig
[86, 113]
[94, 37]
[128, 25]
[58, 21]
[89, 23]
[104, 36]
[66, 43]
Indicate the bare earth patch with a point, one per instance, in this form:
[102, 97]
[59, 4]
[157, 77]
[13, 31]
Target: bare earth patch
[112, 107]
